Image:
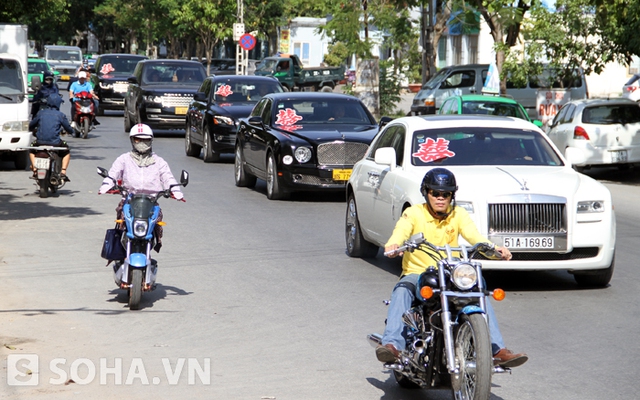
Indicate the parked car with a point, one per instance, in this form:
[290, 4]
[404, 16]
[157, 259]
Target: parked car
[486, 105]
[517, 187]
[302, 141]
[217, 106]
[469, 79]
[605, 131]
[631, 89]
[37, 67]
[160, 92]
[65, 60]
[109, 79]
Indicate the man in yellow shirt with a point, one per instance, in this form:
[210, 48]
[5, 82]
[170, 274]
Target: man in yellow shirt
[441, 222]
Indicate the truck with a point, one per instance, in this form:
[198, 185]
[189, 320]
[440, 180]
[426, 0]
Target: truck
[14, 99]
[288, 69]
[65, 60]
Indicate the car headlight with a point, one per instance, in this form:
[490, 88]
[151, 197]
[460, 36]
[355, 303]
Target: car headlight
[153, 99]
[105, 85]
[302, 154]
[464, 276]
[467, 205]
[593, 206]
[221, 120]
[15, 126]
[140, 228]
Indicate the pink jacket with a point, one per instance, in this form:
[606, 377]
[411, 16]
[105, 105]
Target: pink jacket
[155, 177]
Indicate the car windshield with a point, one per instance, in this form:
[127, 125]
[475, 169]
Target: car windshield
[117, 65]
[10, 81]
[267, 65]
[481, 146]
[611, 114]
[335, 111]
[36, 67]
[494, 108]
[228, 92]
[161, 74]
[436, 79]
[63, 55]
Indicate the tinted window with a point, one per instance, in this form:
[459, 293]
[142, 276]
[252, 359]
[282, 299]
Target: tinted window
[333, 111]
[481, 146]
[611, 114]
[494, 108]
[162, 73]
[37, 67]
[233, 91]
[123, 65]
[459, 79]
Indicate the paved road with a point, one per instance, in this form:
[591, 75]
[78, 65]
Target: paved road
[259, 301]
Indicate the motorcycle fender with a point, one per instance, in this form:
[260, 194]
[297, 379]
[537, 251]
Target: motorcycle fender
[138, 260]
[42, 173]
[471, 309]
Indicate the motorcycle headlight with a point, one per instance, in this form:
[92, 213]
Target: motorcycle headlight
[464, 276]
[140, 228]
[302, 154]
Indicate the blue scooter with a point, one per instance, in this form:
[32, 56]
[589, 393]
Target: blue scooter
[137, 271]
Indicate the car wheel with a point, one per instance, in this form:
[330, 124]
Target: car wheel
[598, 278]
[357, 245]
[326, 89]
[243, 179]
[274, 189]
[209, 155]
[192, 150]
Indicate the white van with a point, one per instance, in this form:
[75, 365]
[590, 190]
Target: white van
[459, 80]
[65, 60]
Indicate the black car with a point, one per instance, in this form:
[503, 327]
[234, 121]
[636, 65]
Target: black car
[212, 119]
[302, 141]
[109, 79]
[160, 91]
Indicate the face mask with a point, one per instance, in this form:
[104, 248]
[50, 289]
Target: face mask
[142, 147]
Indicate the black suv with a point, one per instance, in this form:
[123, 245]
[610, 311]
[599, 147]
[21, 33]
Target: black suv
[160, 91]
[110, 79]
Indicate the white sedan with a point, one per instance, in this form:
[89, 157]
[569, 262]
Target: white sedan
[518, 188]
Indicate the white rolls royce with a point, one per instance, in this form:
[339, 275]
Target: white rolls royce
[520, 191]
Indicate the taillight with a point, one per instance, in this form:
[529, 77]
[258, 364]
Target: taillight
[631, 88]
[580, 133]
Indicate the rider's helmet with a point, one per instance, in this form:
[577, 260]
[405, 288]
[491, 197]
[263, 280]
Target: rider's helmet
[440, 179]
[82, 74]
[142, 131]
[53, 101]
[47, 75]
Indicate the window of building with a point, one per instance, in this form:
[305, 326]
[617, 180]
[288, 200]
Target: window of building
[301, 49]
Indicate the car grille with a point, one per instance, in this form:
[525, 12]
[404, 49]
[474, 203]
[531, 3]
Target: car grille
[341, 153]
[527, 218]
[174, 101]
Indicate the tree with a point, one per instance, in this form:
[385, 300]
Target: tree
[620, 24]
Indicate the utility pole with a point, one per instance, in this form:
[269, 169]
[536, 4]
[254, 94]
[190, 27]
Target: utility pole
[238, 31]
[427, 20]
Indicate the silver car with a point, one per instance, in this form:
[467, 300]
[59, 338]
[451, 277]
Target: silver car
[631, 89]
[605, 131]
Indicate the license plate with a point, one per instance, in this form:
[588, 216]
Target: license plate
[341, 174]
[120, 87]
[64, 77]
[42, 163]
[618, 156]
[530, 242]
[181, 110]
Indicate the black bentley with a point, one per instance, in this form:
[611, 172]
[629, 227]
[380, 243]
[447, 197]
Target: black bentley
[212, 118]
[160, 91]
[110, 79]
[302, 141]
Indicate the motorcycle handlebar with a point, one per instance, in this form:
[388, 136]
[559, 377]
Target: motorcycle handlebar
[417, 240]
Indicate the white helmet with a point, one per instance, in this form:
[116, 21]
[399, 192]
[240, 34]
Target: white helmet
[82, 74]
[142, 131]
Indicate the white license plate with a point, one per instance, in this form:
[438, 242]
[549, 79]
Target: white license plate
[120, 87]
[618, 156]
[42, 163]
[531, 242]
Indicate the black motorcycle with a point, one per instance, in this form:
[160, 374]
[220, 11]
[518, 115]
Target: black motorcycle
[49, 169]
[448, 341]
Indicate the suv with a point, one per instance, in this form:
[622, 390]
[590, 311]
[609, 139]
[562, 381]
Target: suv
[64, 59]
[110, 79]
[160, 91]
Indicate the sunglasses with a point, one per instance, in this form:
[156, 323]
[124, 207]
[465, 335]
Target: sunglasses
[439, 193]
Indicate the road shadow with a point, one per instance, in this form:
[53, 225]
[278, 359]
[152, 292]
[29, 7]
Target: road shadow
[148, 298]
[303, 197]
[12, 209]
[392, 391]
[630, 176]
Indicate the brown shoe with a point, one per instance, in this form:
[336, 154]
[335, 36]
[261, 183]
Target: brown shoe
[507, 359]
[387, 353]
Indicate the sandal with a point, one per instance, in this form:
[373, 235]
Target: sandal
[64, 176]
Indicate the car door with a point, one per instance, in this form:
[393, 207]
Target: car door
[202, 109]
[562, 134]
[254, 141]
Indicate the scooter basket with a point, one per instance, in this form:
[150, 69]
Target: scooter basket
[112, 247]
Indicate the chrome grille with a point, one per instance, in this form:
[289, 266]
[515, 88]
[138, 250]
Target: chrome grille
[527, 218]
[173, 101]
[341, 153]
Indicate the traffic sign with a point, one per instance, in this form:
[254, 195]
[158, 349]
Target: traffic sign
[247, 41]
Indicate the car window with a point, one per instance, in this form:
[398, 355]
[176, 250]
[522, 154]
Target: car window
[266, 111]
[611, 114]
[245, 91]
[257, 110]
[322, 111]
[481, 146]
[489, 107]
[449, 107]
[569, 114]
[206, 87]
[162, 73]
[385, 139]
[37, 67]
[560, 115]
[459, 79]
[107, 65]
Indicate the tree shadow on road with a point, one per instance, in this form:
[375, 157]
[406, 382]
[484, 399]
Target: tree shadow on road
[11, 208]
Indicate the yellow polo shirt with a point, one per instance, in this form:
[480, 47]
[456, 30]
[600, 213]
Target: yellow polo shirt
[417, 219]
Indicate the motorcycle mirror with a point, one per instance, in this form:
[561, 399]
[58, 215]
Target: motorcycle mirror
[103, 172]
[418, 237]
[184, 178]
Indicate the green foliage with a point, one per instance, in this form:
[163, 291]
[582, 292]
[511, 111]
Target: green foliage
[389, 89]
[337, 54]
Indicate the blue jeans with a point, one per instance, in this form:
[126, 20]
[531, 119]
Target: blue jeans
[401, 299]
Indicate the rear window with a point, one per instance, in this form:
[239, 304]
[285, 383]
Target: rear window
[493, 108]
[611, 114]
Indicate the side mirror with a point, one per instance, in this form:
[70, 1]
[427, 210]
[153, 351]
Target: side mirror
[103, 172]
[386, 156]
[200, 96]
[537, 123]
[132, 79]
[384, 121]
[36, 83]
[184, 178]
[255, 121]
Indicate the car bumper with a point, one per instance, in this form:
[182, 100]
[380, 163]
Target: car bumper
[312, 179]
[112, 103]
[224, 139]
[164, 118]
[422, 110]
[10, 141]
[608, 155]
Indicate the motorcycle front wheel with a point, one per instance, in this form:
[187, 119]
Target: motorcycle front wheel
[135, 291]
[473, 358]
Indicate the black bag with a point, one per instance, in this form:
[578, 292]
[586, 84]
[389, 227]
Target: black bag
[112, 247]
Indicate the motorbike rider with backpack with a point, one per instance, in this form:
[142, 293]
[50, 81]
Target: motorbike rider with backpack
[48, 88]
[142, 170]
[441, 222]
[50, 121]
